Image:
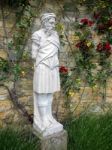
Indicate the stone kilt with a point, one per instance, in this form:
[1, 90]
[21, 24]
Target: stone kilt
[46, 80]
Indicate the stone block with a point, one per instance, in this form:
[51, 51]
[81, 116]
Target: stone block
[2, 46]
[86, 93]
[8, 115]
[3, 97]
[109, 99]
[56, 141]
[5, 105]
[109, 92]
[26, 100]
[3, 91]
[10, 23]
[3, 54]
[109, 83]
[17, 116]
[1, 24]
[29, 109]
[1, 32]
[23, 100]
[25, 92]
[2, 116]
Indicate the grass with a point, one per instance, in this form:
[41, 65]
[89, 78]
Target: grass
[87, 132]
[17, 139]
[90, 133]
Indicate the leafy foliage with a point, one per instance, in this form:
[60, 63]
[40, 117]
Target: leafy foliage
[14, 3]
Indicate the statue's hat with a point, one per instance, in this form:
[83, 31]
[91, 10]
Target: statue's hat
[47, 15]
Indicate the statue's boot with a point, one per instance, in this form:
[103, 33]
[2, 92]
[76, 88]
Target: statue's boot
[37, 123]
[43, 102]
[46, 123]
[49, 110]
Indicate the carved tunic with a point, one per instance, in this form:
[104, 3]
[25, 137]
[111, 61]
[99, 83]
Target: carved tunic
[46, 74]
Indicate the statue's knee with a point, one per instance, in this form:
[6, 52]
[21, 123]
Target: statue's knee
[42, 100]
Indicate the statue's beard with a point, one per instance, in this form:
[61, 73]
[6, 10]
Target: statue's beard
[49, 31]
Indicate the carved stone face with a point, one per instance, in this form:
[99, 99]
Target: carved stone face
[50, 24]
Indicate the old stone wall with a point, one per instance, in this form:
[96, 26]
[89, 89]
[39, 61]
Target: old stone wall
[85, 100]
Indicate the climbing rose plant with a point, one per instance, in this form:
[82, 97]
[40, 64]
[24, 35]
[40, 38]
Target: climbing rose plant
[91, 42]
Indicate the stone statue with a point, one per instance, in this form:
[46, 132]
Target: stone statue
[45, 47]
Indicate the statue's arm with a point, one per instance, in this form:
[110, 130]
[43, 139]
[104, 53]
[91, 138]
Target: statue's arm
[57, 37]
[35, 46]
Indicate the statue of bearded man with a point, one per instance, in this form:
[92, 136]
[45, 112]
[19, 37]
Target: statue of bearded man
[45, 47]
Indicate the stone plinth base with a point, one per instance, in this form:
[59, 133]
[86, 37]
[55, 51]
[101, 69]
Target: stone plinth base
[54, 128]
[57, 141]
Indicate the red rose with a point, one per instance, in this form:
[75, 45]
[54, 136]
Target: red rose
[96, 15]
[82, 45]
[90, 23]
[104, 47]
[78, 45]
[86, 21]
[63, 69]
[99, 47]
[109, 23]
[107, 46]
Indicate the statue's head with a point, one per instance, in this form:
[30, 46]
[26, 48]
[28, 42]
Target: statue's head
[48, 21]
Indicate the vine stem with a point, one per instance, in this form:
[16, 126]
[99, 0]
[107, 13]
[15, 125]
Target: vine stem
[79, 99]
[20, 107]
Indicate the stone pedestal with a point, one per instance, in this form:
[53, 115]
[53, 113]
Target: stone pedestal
[57, 141]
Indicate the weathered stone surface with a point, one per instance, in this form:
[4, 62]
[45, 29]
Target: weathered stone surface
[26, 100]
[22, 92]
[1, 24]
[3, 54]
[30, 100]
[109, 99]
[23, 100]
[55, 142]
[1, 32]
[3, 97]
[7, 115]
[29, 109]
[17, 116]
[1, 123]
[5, 105]
[3, 90]
[9, 84]
[109, 92]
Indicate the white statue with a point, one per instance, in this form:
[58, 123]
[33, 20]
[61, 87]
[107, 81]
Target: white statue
[45, 47]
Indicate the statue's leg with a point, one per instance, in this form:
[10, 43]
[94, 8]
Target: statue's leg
[55, 124]
[37, 118]
[42, 102]
[49, 110]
